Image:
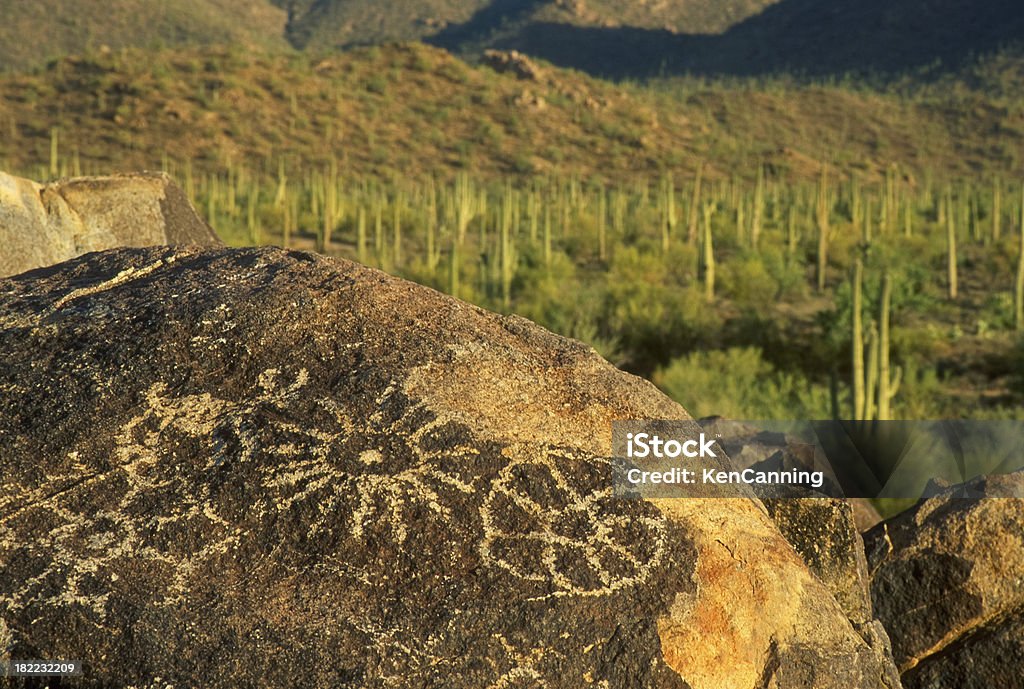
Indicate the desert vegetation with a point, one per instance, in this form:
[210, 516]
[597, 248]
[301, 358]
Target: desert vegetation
[750, 297]
[805, 249]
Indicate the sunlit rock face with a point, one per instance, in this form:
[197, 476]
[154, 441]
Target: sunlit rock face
[43, 224]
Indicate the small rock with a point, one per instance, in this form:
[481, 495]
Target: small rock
[513, 62]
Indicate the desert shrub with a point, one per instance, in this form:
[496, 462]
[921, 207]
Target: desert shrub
[738, 383]
[922, 394]
[656, 320]
[748, 282]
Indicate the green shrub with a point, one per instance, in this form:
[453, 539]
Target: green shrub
[738, 383]
[748, 282]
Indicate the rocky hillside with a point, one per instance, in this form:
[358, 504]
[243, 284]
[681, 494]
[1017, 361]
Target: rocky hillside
[633, 39]
[33, 32]
[413, 110]
[460, 23]
[816, 38]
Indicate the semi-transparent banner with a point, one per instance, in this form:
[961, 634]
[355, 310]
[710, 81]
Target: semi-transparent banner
[778, 459]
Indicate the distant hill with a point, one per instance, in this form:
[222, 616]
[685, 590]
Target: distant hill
[463, 23]
[33, 31]
[330, 24]
[805, 37]
[642, 38]
[413, 110]
[612, 38]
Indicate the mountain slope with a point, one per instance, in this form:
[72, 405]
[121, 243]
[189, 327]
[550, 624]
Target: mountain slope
[808, 37]
[710, 37]
[640, 38]
[414, 110]
[33, 32]
[340, 23]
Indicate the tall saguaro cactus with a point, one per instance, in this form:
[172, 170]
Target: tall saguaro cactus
[857, 321]
[709, 253]
[694, 215]
[361, 234]
[887, 386]
[1018, 292]
[823, 229]
[670, 217]
[871, 384]
[997, 210]
[791, 235]
[951, 264]
[758, 212]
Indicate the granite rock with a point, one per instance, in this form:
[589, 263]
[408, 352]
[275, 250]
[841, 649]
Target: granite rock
[948, 584]
[43, 224]
[241, 468]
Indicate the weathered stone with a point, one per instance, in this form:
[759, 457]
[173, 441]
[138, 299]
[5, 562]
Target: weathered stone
[822, 530]
[948, 584]
[749, 446]
[269, 468]
[992, 656]
[45, 224]
[513, 62]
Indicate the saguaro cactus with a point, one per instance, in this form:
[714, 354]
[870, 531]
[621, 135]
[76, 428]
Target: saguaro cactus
[361, 234]
[871, 384]
[791, 234]
[887, 386]
[951, 263]
[997, 209]
[857, 322]
[54, 156]
[670, 217]
[454, 267]
[547, 236]
[823, 229]
[758, 212]
[1018, 292]
[507, 248]
[694, 216]
[250, 215]
[709, 253]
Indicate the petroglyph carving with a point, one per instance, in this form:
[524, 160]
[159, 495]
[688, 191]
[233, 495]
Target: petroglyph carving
[537, 522]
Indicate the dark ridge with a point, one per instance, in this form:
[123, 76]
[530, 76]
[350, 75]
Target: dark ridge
[804, 37]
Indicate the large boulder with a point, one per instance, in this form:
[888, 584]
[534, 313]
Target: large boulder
[268, 468]
[948, 585]
[43, 224]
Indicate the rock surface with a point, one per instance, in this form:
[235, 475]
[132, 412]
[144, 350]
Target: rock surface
[749, 446]
[822, 530]
[45, 224]
[948, 584]
[267, 468]
[513, 62]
